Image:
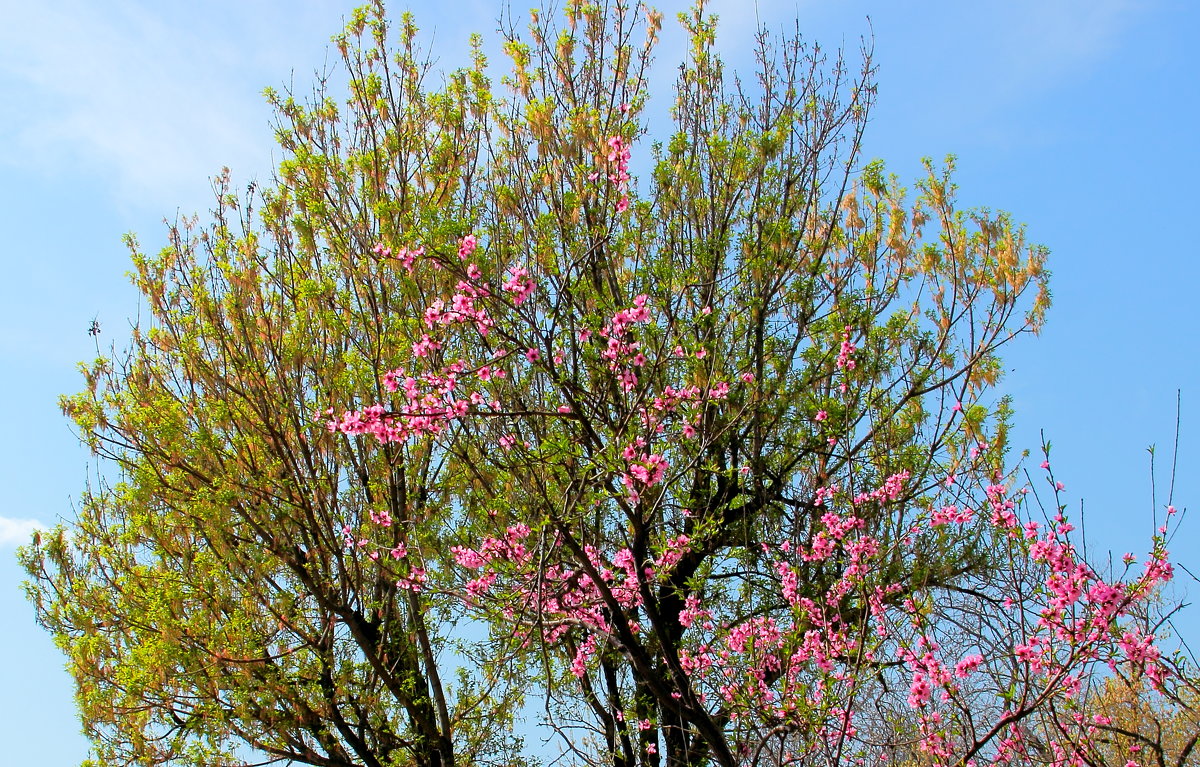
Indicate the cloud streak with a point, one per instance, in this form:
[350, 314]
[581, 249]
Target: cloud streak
[152, 105]
[155, 100]
[16, 532]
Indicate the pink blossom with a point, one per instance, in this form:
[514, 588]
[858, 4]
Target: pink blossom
[964, 667]
[585, 652]
[619, 157]
[519, 283]
[467, 245]
[649, 470]
[847, 349]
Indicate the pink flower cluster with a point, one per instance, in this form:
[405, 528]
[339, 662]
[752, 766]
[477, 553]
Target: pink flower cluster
[462, 308]
[405, 256]
[927, 672]
[889, 491]
[845, 360]
[510, 548]
[644, 470]
[519, 284]
[951, 514]
[806, 658]
[618, 156]
[467, 246]
[430, 403]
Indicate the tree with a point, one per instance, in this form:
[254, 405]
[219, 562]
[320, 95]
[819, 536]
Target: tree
[466, 413]
[1137, 724]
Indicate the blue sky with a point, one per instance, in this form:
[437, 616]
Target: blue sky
[1076, 115]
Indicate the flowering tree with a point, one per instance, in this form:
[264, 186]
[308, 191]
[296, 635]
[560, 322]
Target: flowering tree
[1134, 723]
[709, 460]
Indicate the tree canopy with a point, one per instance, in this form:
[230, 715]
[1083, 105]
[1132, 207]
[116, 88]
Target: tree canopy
[685, 445]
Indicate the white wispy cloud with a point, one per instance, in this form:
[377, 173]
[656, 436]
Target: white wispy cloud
[950, 69]
[988, 69]
[1080, 30]
[1035, 45]
[155, 98]
[16, 532]
[153, 104]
